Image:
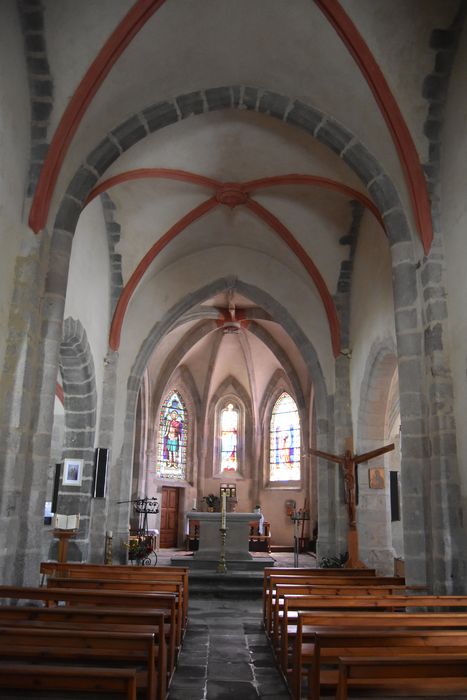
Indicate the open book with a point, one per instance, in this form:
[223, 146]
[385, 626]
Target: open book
[66, 522]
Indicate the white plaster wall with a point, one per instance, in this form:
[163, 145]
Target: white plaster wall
[259, 43]
[398, 34]
[454, 227]
[372, 307]
[88, 290]
[14, 156]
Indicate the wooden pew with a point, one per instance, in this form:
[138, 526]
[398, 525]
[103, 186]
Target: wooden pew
[377, 621]
[165, 602]
[69, 678]
[312, 579]
[85, 570]
[96, 619]
[294, 605]
[127, 585]
[85, 648]
[282, 590]
[426, 674]
[296, 571]
[327, 646]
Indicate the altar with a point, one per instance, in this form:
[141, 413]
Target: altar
[237, 556]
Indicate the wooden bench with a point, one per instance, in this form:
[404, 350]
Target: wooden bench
[426, 674]
[295, 605]
[140, 586]
[164, 602]
[69, 678]
[340, 621]
[85, 648]
[296, 571]
[312, 579]
[288, 589]
[325, 648]
[85, 570]
[110, 620]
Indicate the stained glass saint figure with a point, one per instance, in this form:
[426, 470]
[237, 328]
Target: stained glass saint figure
[172, 440]
[229, 439]
[285, 440]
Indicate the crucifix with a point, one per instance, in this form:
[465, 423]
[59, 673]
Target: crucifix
[349, 463]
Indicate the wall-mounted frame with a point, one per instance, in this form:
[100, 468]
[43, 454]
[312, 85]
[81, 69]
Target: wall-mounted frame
[376, 478]
[72, 472]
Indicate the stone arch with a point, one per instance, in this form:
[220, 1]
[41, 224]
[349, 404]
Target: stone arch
[280, 382]
[405, 283]
[374, 510]
[118, 485]
[233, 389]
[80, 402]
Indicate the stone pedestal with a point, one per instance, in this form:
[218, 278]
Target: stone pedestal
[237, 555]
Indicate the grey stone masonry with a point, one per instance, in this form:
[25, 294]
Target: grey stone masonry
[80, 400]
[40, 85]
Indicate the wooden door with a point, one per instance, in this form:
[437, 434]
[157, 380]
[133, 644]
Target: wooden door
[169, 517]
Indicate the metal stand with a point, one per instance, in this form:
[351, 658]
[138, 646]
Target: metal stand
[297, 518]
[143, 506]
[222, 567]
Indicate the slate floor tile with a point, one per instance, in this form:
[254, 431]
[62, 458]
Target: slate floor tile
[230, 690]
[230, 671]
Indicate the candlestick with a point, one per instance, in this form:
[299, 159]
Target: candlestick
[223, 511]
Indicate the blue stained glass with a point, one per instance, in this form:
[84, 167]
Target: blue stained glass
[171, 457]
[285, 440]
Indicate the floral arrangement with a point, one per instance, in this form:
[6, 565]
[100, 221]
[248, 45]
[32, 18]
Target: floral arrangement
[139, 548]
[212, 501]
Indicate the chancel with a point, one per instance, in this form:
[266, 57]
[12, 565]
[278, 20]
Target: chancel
[232, 270]
[237, 539]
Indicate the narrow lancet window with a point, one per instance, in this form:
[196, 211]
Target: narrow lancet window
[284, 462]
[173, 429]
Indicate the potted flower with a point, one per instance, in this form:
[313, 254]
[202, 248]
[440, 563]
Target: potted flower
[139, 549]
[212, 502]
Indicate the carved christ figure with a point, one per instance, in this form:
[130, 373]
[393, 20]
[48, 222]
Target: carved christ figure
[349, 463]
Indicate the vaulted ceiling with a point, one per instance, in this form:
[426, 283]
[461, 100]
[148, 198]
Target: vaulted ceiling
[359, 63]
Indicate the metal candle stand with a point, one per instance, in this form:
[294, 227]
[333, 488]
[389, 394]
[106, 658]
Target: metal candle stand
[297, 518]
[143, 506]
[222, 567]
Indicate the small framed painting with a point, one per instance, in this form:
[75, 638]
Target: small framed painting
[72, 472]
[376, 478]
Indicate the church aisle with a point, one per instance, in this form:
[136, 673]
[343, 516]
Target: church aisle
[226, 654]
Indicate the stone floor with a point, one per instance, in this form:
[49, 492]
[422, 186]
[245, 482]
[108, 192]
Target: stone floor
[226, 655]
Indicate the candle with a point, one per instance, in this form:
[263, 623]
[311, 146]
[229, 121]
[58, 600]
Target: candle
[223, 512]
[109, 533]
[194, 504]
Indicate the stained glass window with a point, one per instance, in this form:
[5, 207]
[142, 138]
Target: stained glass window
[173, 429]
[229, 438]
[285, 440]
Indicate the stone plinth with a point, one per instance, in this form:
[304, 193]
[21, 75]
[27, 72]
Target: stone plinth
[237, 555]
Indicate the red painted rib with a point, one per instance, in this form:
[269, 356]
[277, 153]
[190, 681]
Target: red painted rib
[152, 173]
[71, 118]
[389, 108]
[308, 264]
[59, 393]
[251, 186]
[124, 300]
[324, 182]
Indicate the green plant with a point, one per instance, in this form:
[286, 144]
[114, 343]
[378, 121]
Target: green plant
[211, 500]
[333, 562]
[139, 548]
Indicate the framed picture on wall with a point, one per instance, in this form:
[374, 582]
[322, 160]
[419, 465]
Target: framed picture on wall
[376, 478]
[72, 472]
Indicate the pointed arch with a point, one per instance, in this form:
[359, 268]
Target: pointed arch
[172, 437]
[285, 444]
